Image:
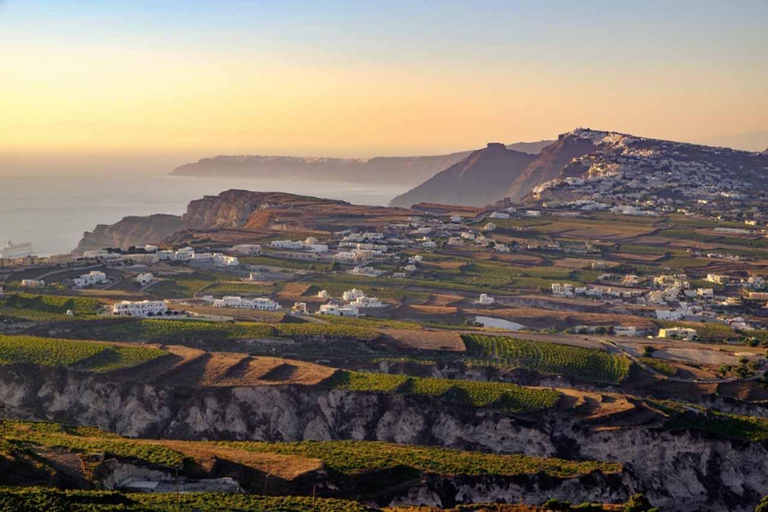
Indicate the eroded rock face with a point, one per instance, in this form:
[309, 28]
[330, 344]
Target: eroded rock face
[130, 231]
[678, 471]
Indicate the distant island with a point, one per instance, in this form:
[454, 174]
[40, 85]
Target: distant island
[406, 170]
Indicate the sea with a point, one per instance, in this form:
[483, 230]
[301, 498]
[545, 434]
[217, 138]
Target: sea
[53, 212]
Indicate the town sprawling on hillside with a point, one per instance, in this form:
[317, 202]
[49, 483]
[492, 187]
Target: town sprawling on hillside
[595, 342]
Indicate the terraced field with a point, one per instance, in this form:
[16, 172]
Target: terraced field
[82, 355]
[179, 331]
[54, 500]
[495, 395]
[344, 457]
[547, 358]
[354, 457]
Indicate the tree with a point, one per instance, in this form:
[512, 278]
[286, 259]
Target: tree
[763, 505]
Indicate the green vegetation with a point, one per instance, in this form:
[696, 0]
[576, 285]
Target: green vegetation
[238, 288]
[495, 395]
[271, 261]
[87, 439]
[547, 358]
[178, 331]
[83, 355]
[355, 457]
[725, 426]
[706, 331]
[54, 500]
[660, 366]
[46, 308]
[186, 285]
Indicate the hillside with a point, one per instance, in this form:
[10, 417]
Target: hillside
[607, 167]
[625, 169]
[481, 178]
[407, 170]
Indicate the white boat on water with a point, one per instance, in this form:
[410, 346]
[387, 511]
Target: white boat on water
[20, 250]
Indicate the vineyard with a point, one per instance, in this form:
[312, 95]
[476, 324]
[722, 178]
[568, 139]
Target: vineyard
[53, 500]
[83, 355]
[178, 331]
[87, 439]
[722, 425]
[495, 395]
[46, 308]
[355, 457]
[547, 358]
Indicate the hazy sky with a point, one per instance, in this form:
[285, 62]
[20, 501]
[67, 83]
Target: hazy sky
[364, 77]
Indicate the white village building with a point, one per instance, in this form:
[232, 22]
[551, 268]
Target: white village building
[142, 308]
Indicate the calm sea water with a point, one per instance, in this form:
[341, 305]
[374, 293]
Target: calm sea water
[53, 212]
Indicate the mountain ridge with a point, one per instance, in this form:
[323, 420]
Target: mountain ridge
[479, 179]
[408, 170]
[594, 155]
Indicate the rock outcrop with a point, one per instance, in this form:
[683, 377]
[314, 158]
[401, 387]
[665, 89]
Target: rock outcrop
[130, 231]
[677, 470]
[230, 209]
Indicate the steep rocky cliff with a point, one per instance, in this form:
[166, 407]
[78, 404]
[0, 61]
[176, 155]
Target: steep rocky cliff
[230, 209]
[234, 208]
[679, 471]
[130, 231]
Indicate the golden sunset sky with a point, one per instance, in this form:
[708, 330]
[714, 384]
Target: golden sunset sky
[198, 78]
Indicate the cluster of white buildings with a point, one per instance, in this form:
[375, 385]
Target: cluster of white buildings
[261, 303]
[338, 310]
[311, 244]
[142, 308]
[94, 277]
[188, 254]
[356, 300]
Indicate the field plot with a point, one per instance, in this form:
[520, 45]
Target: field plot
[355, 457]
[409, 339]
[46, 308]
[180, 331]
[494, 395]
[548, 319]
[547, 358]
[82, 355]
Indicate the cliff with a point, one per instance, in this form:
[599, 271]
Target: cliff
[378, 170]
[406, 170]
[240, 210]
[678, 470]
[480, 179]
[130, 231]
[548, 164]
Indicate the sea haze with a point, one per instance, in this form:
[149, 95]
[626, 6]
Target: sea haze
[53, 212]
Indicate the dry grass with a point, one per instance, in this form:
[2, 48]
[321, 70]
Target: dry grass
[261, 371]
[406, 339]
[542, 318]
[293, 291]
[581, 263]
[443, 300]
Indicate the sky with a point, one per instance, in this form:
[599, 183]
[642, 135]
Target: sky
[178, 80]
